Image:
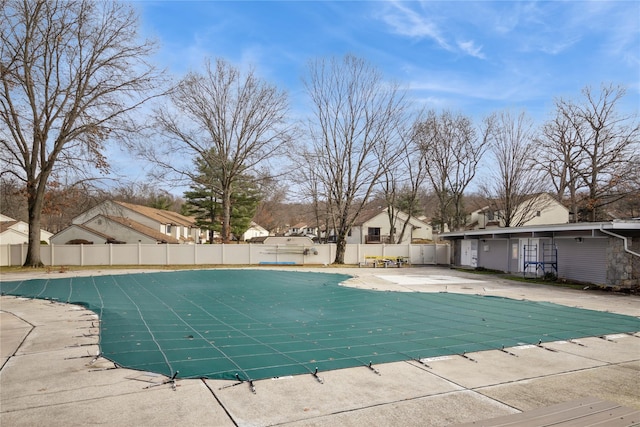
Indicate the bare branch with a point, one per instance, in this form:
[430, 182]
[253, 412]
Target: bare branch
[72, 72]
[235, 123]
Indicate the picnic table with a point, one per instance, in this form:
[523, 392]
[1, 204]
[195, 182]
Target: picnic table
[384, 261]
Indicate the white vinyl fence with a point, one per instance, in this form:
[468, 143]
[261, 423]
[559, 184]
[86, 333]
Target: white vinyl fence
[222, 254]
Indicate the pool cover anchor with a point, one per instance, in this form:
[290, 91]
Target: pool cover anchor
[250, 381]
[508, 352]
[375, 371]
[546, 348]
[464, 354]
[97, 356]
[171, 381]
[315, 374]
[423, 363]
[241, 381]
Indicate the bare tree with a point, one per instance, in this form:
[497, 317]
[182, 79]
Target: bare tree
[401, 184]
[354, 131]
[628, 206]
[607, 141]
[274, 196]
[560, 155]
[514, 185]
[233, 122]
[452, 149]
[71, 73]
[13, 198]
[310, 187]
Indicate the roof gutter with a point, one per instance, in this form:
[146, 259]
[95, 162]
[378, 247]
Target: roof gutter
[624, 239]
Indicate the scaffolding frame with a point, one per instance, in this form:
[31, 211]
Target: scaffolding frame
[547, 265]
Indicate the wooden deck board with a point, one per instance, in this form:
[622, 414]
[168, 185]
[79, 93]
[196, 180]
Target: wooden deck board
[579, 413]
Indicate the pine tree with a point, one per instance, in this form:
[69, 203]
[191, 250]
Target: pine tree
[204, 201]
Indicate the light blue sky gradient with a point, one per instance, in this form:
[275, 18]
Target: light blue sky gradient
[469, 57]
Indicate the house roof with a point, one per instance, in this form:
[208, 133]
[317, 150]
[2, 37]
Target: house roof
[592, 228]
[86, 230]
[550, 199]
[6, 225]
[257, 226]
[368, 214]
[143, 229]
[159, 215]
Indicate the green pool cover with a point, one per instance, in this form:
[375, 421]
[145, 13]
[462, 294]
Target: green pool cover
[260, 324]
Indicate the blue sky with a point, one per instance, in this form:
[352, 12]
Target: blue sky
[469, 57]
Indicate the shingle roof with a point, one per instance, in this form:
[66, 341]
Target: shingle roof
[143, 229]
[159, 215]
[92, 231]
[5, 225]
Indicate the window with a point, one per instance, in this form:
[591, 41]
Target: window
[168, 228]
[373, 234]
[537, 213]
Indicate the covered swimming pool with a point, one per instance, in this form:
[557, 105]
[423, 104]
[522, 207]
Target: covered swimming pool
[255, 324]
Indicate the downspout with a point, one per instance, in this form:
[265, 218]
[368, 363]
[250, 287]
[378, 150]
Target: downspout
[624, 239]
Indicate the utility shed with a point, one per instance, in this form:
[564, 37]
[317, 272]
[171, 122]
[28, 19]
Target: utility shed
[601, 253]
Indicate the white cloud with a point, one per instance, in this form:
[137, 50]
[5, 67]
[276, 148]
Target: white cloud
[470, 48]
[407, 22]
[428, 23]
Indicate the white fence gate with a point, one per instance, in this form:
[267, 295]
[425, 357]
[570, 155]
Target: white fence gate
[222, 254]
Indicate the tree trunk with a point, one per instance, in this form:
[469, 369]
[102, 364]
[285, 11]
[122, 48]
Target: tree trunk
[226, 216]
[341, 247]
[35, 201]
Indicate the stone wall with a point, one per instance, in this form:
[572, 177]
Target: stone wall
[623, 268]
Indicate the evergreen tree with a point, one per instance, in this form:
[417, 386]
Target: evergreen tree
[204, 201]
[203, 204]
[244, 203]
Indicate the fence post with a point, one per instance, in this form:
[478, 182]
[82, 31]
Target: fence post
[110, 253]
[195, 254]
[139, 253]
[167, 253]
[53, 255]
[81, 254]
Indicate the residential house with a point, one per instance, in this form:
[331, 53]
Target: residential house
[13, 232]
[302, 229]
[539, 209]
[119, 222]
[254, 231]
[373, 226]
